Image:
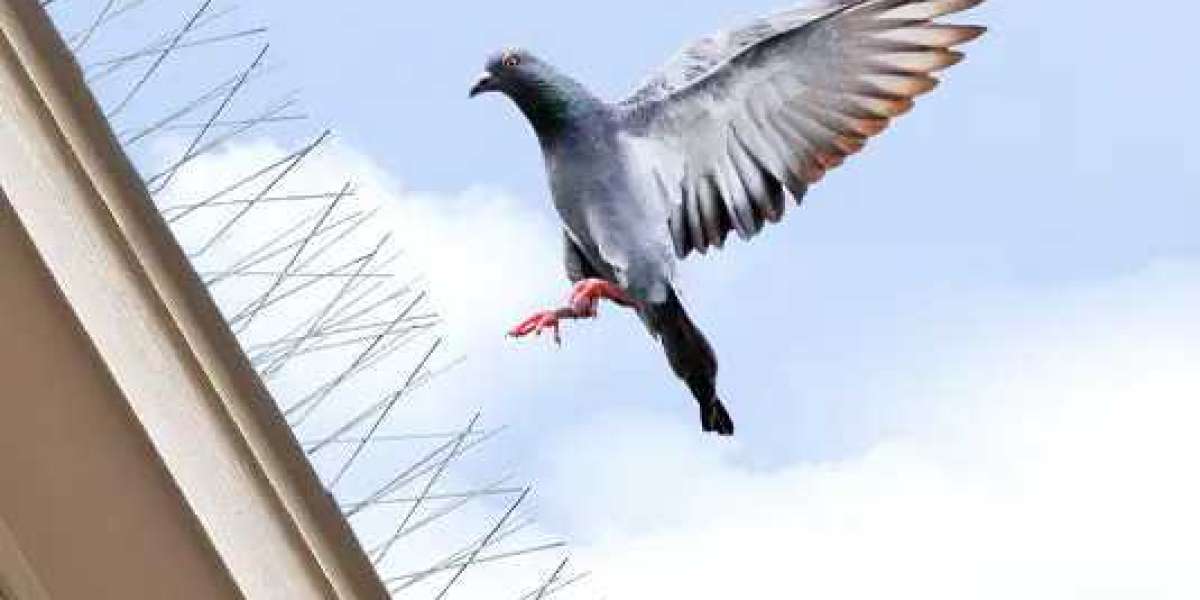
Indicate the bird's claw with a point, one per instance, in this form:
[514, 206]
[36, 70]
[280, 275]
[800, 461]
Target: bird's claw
[547, 319]
[583, 304]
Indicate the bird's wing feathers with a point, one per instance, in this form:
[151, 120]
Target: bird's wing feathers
[738, 118]
[706, 54]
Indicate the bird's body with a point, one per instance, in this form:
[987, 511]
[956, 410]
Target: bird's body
[615, 224]
[711, 145]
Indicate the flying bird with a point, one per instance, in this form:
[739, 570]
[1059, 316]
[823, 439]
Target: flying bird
[714, 143]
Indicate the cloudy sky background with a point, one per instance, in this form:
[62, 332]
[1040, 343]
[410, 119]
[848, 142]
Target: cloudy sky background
[968, 367]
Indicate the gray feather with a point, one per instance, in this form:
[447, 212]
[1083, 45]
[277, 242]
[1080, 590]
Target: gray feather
[777, 104]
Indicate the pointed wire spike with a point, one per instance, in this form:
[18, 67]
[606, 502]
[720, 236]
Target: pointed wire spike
[352, 321]
[471, 560]
[384, 414]
[158, 62]
[436, 476]
[191, 151]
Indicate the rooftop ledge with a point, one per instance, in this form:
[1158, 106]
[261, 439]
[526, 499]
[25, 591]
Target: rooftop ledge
[140, 454]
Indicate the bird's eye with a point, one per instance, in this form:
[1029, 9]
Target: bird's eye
[512, 61]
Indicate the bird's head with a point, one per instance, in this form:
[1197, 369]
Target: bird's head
[548, 98]
[513, 71]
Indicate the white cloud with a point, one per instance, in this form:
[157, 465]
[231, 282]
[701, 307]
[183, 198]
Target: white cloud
[1046, 452]
[1059, 463]
[482, 257]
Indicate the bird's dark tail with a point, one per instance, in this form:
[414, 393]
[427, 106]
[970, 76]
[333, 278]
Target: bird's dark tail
[692, 359]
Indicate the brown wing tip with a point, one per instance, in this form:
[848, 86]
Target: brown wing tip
[892, 85]
[849, 145]
[828, 160]
[869, 126]
[970, 33]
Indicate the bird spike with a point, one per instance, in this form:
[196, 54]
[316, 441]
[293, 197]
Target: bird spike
[307, 277]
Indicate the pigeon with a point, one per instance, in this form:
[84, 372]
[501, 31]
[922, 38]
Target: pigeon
[715, 142]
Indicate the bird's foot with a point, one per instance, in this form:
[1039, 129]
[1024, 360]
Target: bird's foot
[539, 322]
[585, 299]
[586, 296]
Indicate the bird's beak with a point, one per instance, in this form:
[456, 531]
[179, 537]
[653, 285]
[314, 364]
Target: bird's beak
[485, 83]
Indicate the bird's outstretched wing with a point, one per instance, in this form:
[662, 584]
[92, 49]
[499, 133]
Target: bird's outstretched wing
[738, 118]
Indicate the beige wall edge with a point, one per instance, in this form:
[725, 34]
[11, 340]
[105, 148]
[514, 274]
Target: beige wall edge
[158, 333]
[17, 577]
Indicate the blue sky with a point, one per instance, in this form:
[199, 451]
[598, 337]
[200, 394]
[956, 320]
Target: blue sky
[1044, 144]
[1037, 165]
[1030, 228]
[973, 347]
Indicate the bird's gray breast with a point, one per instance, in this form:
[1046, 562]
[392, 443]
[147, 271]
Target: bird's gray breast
[604, 205]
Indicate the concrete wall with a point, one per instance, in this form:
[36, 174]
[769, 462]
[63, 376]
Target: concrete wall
[140, 455]
[82, 491]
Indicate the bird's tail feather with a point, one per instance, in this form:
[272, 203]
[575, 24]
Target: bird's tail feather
[692, 358]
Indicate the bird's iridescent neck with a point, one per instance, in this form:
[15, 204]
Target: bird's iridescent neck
[554, 106]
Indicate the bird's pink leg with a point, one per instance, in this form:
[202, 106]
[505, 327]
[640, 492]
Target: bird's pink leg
[585, 299]
[586, 296]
